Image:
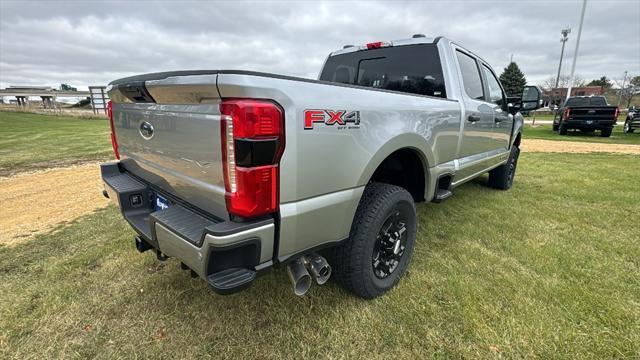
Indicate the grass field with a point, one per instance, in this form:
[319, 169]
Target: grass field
[549, 269]
[546, 132]
[31, 141]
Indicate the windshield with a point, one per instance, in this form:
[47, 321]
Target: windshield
[586, 101]
[412, 69]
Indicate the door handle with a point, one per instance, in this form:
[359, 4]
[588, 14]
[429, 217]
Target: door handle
[473, 118]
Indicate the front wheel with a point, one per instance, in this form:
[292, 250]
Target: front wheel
[380, 244]
[502, 176]
[627, 127]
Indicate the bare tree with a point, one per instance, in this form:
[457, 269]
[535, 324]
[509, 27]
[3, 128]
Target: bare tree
[563, 82]
[627, 88]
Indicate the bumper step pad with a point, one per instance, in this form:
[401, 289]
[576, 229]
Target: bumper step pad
[231, 280]
[189, 225]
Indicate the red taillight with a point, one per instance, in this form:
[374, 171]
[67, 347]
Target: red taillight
[114, 141]
[615, 116]
[376, 45]
[251, 185]
[567, 111]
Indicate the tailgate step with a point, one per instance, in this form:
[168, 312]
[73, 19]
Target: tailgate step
[231, 280]
[189, 225]
[123, 183]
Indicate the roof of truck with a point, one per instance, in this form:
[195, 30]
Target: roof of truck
[418, 39]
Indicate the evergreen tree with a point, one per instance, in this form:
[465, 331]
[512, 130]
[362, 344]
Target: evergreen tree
[603, 82]
[513, 80]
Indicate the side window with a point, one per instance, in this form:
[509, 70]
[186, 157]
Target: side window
[470, 76]
[495, 92]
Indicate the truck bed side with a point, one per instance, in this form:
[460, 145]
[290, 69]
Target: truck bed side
[324, 169]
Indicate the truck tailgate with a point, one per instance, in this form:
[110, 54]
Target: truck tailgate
[168, 134]
[593, 113]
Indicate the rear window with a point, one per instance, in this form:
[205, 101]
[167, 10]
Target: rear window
[587, 101]
[412, 69]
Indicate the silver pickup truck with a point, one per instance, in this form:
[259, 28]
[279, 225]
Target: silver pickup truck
[235, 172]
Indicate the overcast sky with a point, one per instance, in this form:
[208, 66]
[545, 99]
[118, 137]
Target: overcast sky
[92, 43]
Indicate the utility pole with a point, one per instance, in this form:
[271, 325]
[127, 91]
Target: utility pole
[575, 54]
[565, 33]
[624, 80]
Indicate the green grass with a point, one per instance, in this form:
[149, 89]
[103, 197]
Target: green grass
[30, 141]
[539, 117]
[549, 269]
[546, 132]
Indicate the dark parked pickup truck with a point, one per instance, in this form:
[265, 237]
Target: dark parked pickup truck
[633, 120]
[586, 113]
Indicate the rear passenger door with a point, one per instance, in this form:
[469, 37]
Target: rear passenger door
[478, 118]
[502, 121]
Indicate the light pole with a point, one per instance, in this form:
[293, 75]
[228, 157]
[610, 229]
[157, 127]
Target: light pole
[565, 33]
[575, 53]
[624, 80]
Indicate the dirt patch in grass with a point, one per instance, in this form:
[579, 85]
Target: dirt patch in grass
[553, 146]
[34, 202]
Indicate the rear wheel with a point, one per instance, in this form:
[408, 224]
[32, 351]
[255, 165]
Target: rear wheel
[502, 176]
[627, 127]
[562, 128]
[380, 244]
[606, 132]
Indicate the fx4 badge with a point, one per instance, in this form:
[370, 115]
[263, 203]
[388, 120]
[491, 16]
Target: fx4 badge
[341, 118]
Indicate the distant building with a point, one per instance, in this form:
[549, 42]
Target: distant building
[557, 95]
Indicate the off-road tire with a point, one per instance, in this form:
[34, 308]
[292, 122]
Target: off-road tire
[502, 177]
[562, 128]
[606, 132]
[351, 261]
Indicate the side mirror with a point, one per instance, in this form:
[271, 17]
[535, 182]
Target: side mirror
[531, 98]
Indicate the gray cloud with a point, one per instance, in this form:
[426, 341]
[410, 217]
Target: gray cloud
[90, 43]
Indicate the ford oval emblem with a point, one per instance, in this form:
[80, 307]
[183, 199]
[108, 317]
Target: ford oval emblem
[146, 130]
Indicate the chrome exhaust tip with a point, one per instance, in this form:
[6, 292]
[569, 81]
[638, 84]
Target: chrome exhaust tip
[299, 276]
[319, 267]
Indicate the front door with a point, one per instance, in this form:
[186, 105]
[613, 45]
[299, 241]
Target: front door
[502, 120]
[478, 137]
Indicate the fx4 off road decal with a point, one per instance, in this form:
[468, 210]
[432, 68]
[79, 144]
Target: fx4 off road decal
[343, 119]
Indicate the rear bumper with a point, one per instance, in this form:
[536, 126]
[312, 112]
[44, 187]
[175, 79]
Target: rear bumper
[208, 246]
